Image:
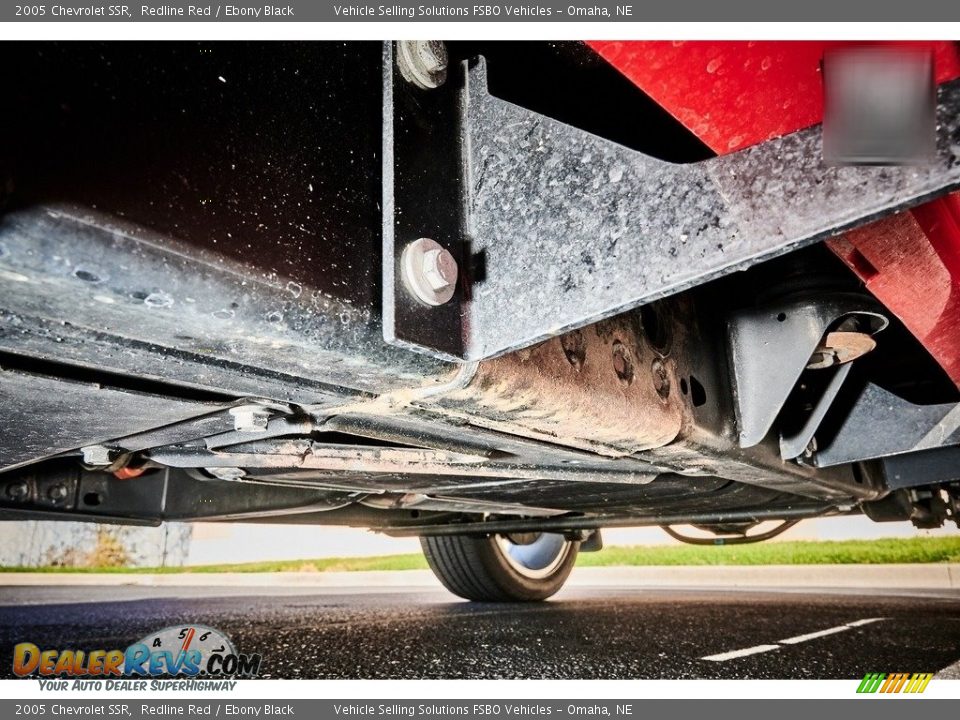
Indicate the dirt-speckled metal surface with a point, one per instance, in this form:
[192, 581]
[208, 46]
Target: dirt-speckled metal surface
[595, 388]
[571, 228]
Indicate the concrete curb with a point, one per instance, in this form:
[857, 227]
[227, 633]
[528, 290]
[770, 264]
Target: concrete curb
[911, 576]
[939, 576]
[373, 578]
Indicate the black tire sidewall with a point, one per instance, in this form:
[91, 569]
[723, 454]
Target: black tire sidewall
[515, 585]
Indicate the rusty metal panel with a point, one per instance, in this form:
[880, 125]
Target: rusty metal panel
[604, 388]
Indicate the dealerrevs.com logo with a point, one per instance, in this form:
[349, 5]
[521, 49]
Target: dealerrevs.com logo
[178, 651]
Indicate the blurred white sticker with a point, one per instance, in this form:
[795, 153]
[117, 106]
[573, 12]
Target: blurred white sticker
[879, 107]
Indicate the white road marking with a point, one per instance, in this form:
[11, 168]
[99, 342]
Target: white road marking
[951, 672]
[814, 635]
[867, 621]
[829, 631]
[756, 649]
[733, 654]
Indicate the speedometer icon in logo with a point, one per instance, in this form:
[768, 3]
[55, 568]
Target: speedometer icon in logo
[199, 642]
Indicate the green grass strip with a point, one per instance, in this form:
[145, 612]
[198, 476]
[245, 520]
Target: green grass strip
[885, 550]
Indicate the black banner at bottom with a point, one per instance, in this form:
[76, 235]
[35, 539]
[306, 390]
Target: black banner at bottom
[874, 708]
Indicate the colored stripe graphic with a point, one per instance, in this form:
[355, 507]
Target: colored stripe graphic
[866, 684]
[894, 683]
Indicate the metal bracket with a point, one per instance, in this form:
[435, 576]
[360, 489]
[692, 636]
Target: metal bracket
[769, 349]
[794, 444]
[555, 228]
[881, 424]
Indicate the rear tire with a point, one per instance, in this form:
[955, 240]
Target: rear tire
[499, 568]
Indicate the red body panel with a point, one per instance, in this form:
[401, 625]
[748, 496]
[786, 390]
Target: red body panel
[736, 94]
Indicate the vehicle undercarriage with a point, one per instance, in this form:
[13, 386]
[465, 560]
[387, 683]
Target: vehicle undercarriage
[488, 292]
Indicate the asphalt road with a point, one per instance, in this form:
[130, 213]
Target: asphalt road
[583, 633]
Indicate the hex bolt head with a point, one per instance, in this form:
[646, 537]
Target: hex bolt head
[423, 62]
[429, 271]
[439, 269]
[574, 346]
[661, 378]
[18, 490]
[96, 455]
[250, 418]
[57, 492]
[623, 363]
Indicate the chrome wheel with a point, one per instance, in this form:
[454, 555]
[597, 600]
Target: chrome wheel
[534, 555]
[513, 567]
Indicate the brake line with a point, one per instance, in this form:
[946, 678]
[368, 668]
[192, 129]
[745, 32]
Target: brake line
[732, 540]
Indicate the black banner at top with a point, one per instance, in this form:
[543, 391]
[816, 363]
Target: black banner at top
[331, 11]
